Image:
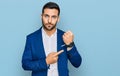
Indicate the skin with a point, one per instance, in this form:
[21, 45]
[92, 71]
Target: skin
[49, 19]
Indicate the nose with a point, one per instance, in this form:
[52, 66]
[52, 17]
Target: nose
[50, 20]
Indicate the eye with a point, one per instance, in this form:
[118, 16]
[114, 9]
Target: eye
[46, 16]
[54, 17]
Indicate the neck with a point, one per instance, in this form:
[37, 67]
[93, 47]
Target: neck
[49, 33]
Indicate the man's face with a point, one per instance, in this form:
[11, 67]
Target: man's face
[49, 19]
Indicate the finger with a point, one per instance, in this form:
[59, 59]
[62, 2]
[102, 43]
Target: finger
[70, 33]
[65, 33]
[64, 37]
[52, 53]
[58, 53]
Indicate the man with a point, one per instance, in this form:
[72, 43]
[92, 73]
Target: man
[48, 49]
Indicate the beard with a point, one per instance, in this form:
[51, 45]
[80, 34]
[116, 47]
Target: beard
[49, 26]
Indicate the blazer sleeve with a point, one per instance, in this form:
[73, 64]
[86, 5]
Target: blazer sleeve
[28, 63]
[74, 57]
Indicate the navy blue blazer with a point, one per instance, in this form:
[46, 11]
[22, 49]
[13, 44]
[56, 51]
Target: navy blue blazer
[34, 57]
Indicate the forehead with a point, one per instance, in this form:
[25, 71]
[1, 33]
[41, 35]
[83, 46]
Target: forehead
[50, 11]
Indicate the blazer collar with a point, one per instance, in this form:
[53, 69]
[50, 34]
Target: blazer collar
[59, 40]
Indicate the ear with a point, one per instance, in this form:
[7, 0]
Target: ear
[41, 16]
[58, 19]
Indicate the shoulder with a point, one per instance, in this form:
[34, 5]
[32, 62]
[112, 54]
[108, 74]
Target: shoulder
[60, 31]
[34, 34]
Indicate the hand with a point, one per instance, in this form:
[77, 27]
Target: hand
[53, 57]
[68, 37]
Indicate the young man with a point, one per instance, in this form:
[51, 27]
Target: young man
[48, 49]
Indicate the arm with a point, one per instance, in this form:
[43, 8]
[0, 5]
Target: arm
[28, 63]
[72, 52]
[74, 57]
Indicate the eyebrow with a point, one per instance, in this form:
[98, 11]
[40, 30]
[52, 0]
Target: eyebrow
[49, 15]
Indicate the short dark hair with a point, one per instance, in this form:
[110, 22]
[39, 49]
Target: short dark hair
[51, 5]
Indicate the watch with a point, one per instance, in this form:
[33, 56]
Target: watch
[70, 45]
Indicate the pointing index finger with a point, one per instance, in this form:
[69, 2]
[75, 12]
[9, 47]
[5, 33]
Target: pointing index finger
[58, 53]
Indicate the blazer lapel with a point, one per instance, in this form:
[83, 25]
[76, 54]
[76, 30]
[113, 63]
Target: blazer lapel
[40, 43]
[59, 40]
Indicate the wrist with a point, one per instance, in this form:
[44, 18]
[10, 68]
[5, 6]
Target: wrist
[70, 45]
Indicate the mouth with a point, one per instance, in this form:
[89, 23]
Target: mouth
[49, 24]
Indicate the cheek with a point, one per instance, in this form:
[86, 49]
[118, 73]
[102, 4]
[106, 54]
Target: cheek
[44, 20]
[54, 21]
